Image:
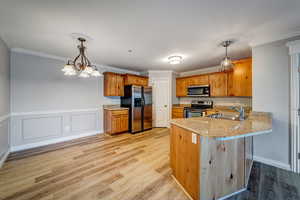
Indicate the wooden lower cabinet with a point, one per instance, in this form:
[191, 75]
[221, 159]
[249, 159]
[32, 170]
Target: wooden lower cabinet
[177, 112]
[115, 121]
[209, 169]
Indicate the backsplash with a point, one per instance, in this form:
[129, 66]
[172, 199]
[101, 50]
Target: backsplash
[228, 101]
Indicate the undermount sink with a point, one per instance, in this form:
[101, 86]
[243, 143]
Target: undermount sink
[224, 116]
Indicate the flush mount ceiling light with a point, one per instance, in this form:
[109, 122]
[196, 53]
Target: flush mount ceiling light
[226, 63]
[81, 65]
[174, 60]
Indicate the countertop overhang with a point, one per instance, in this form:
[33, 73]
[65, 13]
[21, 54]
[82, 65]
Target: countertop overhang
[256, 123]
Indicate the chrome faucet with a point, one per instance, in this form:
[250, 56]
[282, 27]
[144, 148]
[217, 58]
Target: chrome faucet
[240, 110]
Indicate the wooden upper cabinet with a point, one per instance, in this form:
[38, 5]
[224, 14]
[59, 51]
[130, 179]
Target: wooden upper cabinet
[131, 79]
[198, 80]
[113, 84]
[218, 84]
[182, 83]
[240, 78]
[236, 82]
[181, 87]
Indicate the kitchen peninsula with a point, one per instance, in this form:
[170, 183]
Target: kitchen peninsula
[212, 158]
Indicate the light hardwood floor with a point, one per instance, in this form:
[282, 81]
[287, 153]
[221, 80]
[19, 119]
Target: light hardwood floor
[125, 166]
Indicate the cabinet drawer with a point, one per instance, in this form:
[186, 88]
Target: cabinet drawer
[119, 112]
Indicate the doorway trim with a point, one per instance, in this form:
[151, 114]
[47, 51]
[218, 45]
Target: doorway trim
[151, 82]
[294, 52]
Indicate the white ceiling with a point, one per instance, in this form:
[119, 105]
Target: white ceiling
[153, 29]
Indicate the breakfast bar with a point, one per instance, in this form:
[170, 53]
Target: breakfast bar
[211, 158]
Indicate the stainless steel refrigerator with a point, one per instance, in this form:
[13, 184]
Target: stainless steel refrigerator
[139, 101]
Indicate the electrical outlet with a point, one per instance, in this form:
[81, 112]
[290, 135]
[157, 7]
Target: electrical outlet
[194, 138]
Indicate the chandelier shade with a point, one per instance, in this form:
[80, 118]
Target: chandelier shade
[81, 65]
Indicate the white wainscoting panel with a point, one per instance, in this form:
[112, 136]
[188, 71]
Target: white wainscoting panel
[41, 127]
[83, 122]
[4, 138]
[33, 129]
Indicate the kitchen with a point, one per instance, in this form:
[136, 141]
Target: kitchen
[149, 100]
[233, 83]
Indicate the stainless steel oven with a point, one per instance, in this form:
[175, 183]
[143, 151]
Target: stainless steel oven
[197, 108]
[189, 112]
[199, 91]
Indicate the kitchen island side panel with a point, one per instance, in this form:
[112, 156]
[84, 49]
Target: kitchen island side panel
[222, 168]
[185, 160]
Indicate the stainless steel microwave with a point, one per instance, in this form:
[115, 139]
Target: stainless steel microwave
[199, 91]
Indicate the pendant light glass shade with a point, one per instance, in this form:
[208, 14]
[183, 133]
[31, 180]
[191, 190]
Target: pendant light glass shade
[68, 68]
[226, 63]
[96, 73]
[84, 74]
[70, 73]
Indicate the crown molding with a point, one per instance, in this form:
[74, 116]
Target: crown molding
[161, 71]
[60, 58]
[294, 47]
[39, 54]
[271, 39]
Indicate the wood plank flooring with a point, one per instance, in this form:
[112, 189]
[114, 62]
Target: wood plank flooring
[121, 167]
[125, 166]
[270, 183]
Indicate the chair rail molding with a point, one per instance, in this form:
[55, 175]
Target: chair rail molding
[294, 51]
[39, 128]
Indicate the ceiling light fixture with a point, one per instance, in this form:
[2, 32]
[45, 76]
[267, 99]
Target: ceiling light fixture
[226, 63]
[81, 64]
[174, 60]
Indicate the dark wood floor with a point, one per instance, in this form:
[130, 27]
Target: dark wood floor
[271, 183]
[122, 167]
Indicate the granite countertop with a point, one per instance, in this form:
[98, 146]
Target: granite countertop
[113, 107]
[223, 129]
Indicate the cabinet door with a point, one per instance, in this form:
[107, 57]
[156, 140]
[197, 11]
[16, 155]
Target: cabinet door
[124, 123]
[113, 84]
[144, 81]
[177, 112]
[218, 84]
[240, 79]
[120, 85]
[116, 124]
[199, 80]
[181, 87]
[184, 159]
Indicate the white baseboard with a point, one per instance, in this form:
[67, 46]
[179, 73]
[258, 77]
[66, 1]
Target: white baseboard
[3, 159]
[272, 163]
[232, 194]
[52, 141]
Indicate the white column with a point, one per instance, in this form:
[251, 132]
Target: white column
[294, 51]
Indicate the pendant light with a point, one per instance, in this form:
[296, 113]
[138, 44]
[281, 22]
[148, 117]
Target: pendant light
[81, 65]
[226, 63]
